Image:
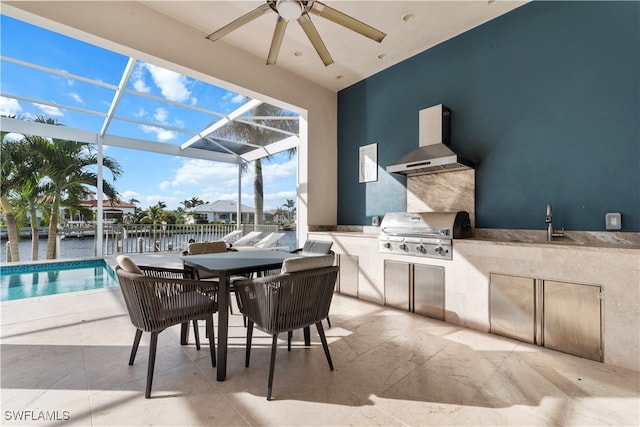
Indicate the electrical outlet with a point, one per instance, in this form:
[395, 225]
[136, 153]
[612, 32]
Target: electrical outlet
[613, 221]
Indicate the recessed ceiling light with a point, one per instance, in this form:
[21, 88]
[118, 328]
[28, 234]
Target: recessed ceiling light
[297, 53]
[339, 77]
[382, 56]
[492, 1]
[408, 17]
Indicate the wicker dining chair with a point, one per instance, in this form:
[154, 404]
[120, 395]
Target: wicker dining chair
[155, 303]
[199, 248]
[314, 248]
[177, 273]
[297, 298]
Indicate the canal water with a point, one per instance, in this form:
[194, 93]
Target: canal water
[72, 248]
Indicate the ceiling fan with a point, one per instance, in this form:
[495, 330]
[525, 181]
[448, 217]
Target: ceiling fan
[299, 10]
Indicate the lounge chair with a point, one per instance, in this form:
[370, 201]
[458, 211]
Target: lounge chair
[231, 237]
[268, 242]
[248, 239]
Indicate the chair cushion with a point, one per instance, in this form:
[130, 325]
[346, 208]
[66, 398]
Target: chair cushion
[316, 247]
[291, 265]
[127, 264]
[198, 248]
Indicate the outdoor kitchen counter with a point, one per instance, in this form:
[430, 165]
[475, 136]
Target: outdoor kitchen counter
[608, 259]
[586, 239]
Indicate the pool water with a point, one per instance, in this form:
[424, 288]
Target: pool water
[41, 279]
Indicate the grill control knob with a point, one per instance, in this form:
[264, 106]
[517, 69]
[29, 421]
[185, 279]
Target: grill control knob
[387, 245]
[421, 249]
[440, 251]
[404, 247]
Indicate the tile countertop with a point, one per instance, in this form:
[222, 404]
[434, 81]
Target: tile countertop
[587, 239]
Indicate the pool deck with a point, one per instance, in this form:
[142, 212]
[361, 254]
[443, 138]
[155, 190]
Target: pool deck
[67, 354]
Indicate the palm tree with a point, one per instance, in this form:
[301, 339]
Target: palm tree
[279, 213]
[25, 202]
[260, 135]
[154, 213]
[9, 178]
[180, 213]
[289, 205]
[22, 190]
[67, 166]
[192, 202]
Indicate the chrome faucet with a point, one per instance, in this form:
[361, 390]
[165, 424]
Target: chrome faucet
[549, 220]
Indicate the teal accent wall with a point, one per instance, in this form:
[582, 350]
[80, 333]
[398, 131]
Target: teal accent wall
[545, 99]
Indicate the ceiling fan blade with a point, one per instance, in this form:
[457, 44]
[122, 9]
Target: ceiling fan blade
[316, 40]
[276, 41]
[244, 19]
[346, 21]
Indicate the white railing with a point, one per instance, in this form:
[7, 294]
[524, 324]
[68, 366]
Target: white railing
[139, 238]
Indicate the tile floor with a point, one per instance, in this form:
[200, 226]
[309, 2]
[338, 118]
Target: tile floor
[67, 354]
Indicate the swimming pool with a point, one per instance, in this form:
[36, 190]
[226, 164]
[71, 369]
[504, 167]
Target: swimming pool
[50, 278]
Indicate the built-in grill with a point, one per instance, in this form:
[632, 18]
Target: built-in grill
[423, 234]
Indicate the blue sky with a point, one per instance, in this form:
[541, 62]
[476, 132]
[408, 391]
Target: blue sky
[147, 177]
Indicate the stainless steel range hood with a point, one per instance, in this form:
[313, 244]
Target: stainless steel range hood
[434, 153]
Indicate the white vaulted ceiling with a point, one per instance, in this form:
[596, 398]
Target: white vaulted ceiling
[356, 57]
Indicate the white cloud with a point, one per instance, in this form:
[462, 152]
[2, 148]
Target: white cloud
[234, 98]
[276, 171]
[76, 97]
[162, 135]
[130, 194]
[161, 115]
[141, 113]
[9, 107]
[280, 195]
[137, 76]
[49, 110]
[172, 85]
[164, 185]
[206, 173]
[141, 86]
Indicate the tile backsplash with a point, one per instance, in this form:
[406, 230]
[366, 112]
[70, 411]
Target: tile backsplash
[447, 191]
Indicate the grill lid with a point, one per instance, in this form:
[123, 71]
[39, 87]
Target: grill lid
[451, 225]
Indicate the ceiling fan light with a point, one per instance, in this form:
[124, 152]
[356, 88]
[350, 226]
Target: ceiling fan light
[289, 9]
